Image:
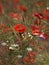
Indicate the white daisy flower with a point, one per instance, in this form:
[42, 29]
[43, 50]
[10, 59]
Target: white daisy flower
[22, 35]
[15, 45]
[11, 48]
[19, 56]
[29, 49]
[3, 43]
[7, 41]
[29, 35]
[47, 8]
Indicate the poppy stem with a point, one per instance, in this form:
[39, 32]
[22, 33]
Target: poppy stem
[20, 35]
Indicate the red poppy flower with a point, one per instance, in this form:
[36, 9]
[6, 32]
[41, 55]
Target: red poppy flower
[16, 1]
[24, 8]
[46, 36]
[1, 7]
[46, 12]
[20, 28]
[39, 15]
[26, 59]
[30, 58]
[14, 15]
[35, 27]
[32, 54]
[34, 14]
[36, 31]
[46, 17]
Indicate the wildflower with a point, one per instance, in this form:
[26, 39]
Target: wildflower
[15, 15]
[11, 48]
[29, 49]
[29, 35]
[46, 17]
[3, 43]
[46, 36]
[24, 8]
[14, 45]
[26, 59]
[23, 36]
[1, 8]
[35, 27]
[7, 41]
[20, 28]
[39, 15]
[16, 1]
[47, 8]
[46, 12]
[41, 36]
[32, 53]
[19, 56]
[36, 31]
[30, 58]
